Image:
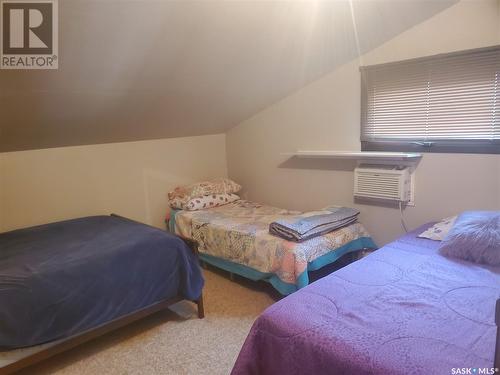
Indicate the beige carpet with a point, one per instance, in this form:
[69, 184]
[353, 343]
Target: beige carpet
[174, 343]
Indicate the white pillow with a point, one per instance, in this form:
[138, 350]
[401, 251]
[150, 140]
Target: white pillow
[439, 230]
[210, 201]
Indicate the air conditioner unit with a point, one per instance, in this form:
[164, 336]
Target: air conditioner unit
[391, 183]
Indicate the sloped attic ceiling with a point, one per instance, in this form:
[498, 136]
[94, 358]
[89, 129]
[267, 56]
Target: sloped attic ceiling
[132, 70]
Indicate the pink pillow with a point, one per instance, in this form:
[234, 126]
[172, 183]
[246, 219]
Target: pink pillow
[179, 197]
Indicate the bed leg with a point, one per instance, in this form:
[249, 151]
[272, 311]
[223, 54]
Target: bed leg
[497, 346]
[201, 308]
[231, 276]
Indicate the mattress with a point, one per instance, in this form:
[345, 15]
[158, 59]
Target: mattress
[403, 309]
[60, 279]
[235, 237]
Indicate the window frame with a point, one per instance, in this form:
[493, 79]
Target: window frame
[433, 146]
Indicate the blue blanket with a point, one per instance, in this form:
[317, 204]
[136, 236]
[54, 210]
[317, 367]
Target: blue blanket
[60, 279]
[308, 225]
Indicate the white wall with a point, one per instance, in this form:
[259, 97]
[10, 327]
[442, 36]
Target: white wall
[325, 115]
[129, 179]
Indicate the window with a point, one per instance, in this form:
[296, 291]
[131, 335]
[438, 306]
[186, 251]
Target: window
[443, 103]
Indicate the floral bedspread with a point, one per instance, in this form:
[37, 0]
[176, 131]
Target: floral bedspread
[239, 232]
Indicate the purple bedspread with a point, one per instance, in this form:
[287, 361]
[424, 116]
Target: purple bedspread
[404, 309]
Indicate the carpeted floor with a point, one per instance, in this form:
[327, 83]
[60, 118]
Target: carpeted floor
[174, 343]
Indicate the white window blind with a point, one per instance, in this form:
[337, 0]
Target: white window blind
[440, 103]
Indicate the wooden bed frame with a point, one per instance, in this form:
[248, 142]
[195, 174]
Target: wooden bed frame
[71, 342]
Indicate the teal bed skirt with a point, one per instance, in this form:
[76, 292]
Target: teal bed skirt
[281, 286]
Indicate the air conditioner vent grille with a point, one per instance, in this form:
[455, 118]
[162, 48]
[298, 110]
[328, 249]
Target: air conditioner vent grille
[382, 183]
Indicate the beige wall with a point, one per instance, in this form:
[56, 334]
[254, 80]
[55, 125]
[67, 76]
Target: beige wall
[325, 115]
[129, 179]
[498, 15]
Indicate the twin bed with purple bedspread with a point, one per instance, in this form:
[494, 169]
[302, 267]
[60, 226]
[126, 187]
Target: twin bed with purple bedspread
[403, 309]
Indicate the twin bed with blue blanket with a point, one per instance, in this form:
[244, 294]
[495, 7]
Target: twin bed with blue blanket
[63, 280]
